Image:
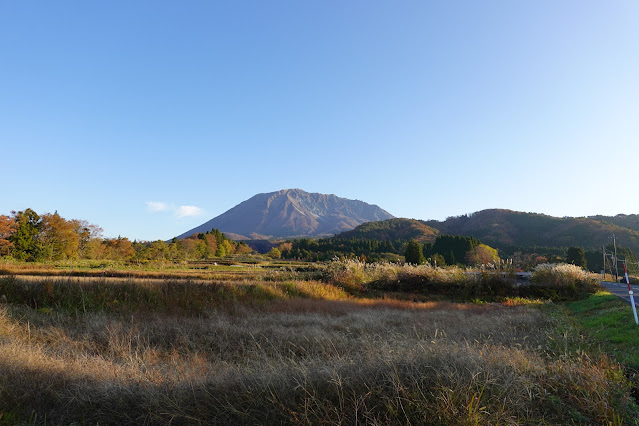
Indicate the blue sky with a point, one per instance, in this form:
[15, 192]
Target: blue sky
[148, 118]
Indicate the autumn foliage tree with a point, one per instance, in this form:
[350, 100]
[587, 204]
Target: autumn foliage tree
[7, 227]
[117, 249]
[89, 238]
[482, 255]
[274, 253]
[58, 238]
[27, 236]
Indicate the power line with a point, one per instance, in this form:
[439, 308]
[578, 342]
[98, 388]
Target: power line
[611, 261]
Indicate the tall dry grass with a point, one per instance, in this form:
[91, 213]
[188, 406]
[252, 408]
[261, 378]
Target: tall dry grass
[563, 281]
[304, 361]
[274, 271]
[555, 282]
[562, 274]
[178, 297]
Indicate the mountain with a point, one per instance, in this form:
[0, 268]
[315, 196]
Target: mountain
[509, 230]
[393, 229]
[292, 213]
[501, 228]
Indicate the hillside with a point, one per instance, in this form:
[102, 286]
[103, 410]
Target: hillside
[292, 213]
[630, 221]
[509, 229]
[393, 229]
[500, 228]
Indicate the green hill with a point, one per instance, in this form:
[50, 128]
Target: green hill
[393, 230]
[503, 228]
[507, 230]
[630, 221]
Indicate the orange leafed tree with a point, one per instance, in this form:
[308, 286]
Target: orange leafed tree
[7, 227]
[117, 249]
[59, 237]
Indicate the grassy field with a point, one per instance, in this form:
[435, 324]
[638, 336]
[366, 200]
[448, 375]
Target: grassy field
[222, 269]
[610, 323]
[286, 349]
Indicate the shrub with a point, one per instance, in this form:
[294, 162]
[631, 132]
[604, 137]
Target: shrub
[561, 282]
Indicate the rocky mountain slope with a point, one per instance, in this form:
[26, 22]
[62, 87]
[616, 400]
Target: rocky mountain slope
[292, 213]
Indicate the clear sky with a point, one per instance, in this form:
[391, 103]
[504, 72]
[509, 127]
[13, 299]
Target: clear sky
[148, 118]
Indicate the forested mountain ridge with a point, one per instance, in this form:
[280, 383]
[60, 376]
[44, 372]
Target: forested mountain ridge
[500, 228]
[292, 213]
[503, 229]
[393, 229]
[630, 221]
[381, 240]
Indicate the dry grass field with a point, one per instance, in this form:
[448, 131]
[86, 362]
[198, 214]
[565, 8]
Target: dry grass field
[280, 351]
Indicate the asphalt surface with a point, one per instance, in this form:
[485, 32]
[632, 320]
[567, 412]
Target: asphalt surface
[621, 290]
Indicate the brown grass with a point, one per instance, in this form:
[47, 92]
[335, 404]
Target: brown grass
[303, 361]
[177, 297]
[273, 347]
[161, 271]
[555, 282]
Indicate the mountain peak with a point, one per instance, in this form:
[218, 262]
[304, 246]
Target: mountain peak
[293, 213]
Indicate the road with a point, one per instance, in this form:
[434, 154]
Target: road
[621, 290]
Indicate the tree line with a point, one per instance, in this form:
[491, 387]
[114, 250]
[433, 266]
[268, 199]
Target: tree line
[592, 259]
[445, 250]
[28, 236]
[327, 248]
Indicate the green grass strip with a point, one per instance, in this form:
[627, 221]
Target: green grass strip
[609, 321]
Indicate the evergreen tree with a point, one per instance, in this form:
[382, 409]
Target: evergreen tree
[414, 253]
[594, 260]
[450, 258]
[576, 256]
[25, 238]
[438, 260]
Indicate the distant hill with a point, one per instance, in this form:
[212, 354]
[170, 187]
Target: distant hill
[499, 228]
[630, 221]
[393, 229]
[292, 213]
[510, 229]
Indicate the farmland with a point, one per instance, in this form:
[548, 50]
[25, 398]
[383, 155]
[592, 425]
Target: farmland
[291, 343]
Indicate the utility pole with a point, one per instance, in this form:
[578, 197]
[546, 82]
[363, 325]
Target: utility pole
[603, 265]
[614, 242]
